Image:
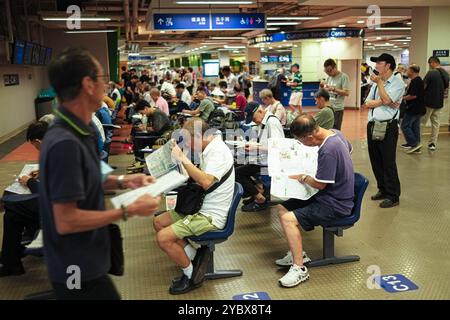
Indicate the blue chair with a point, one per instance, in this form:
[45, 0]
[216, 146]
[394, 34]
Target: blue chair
[338, 227]
[210, 239]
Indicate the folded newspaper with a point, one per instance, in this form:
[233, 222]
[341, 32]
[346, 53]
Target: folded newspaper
[288, 157]
[16, 187]
[168, 173]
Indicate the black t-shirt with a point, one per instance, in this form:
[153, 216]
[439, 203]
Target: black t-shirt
[416, 88]
[125, 76]
[144, 78]
[70, 172]
[435, 82]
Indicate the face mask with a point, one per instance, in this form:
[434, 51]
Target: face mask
[105, 170]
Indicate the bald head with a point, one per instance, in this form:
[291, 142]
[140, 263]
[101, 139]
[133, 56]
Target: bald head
[303, 126]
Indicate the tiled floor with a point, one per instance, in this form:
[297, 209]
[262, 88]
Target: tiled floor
[411, 239]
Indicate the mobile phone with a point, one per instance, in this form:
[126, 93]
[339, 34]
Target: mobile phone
[373, 72]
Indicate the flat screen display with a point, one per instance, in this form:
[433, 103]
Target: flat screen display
[48, 55]
[42, 55]
[28, 53]
[36, 53]
[211, 68]
[19, 52]
[284, 58]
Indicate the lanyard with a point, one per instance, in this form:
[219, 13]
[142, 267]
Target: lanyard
[71, 123]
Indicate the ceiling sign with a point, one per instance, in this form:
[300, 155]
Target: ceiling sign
[202, 21]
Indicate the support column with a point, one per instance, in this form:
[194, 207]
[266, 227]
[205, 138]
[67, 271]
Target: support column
[224, 58]
[429, 24]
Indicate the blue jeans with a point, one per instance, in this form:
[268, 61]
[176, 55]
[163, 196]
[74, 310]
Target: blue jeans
[411, 128]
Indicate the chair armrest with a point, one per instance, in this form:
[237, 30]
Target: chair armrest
[111, 126]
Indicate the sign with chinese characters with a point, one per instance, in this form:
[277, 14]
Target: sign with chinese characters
[396, 283]
[334, 33]
[205, 21]
[11, 79]
[238, 21]
[441, 53]
[181, 21]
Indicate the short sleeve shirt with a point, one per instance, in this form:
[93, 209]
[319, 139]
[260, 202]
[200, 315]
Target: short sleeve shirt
[339, 82]
[325, 118]
[206, 107]
[335, 168]
[70, 172]
[297, 78]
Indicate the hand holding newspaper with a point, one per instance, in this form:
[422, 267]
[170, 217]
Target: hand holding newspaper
[169, 175]
[16, 187]
[288, 157]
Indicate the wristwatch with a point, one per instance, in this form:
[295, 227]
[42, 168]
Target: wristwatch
[120, 182]
[303, 178]
[124, 213]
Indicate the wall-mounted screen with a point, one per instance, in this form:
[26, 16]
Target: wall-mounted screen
[36, 53]
[28, 53]
[211, 68]
[18, 52]
[42, 55]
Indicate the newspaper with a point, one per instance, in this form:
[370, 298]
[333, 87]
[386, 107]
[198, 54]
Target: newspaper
[16, 187]
[288, 157]
[160, 162]
[165, 183]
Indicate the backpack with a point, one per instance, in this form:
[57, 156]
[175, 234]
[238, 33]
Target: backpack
[217, 119]
[231, 121]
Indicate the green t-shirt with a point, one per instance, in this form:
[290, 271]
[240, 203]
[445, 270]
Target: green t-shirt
[338, 82]
[298, 78]
[325, 118]
[206, 107]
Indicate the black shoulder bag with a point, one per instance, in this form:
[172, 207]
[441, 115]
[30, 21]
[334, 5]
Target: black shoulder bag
[191, 196]
[117, 257]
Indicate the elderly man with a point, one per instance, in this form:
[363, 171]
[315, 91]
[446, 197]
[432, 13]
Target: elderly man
[268, 127]
[172, 228]
[325, 116]
[335, 181]
[383, 101]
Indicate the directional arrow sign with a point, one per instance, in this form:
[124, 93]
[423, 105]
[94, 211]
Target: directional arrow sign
[238, 21]
[181, 21]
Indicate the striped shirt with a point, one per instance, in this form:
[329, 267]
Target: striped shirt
[298, 78]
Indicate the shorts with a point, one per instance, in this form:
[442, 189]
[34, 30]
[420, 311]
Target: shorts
[190, 225]
[310, 213]
[296, 98]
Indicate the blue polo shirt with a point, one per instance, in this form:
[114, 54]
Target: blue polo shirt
[70, 172]
[395, 88]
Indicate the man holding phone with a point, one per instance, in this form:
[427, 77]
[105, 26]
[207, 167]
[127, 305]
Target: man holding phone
[337, 85]
[384, 101]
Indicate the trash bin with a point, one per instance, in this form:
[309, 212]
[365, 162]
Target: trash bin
[43, 106]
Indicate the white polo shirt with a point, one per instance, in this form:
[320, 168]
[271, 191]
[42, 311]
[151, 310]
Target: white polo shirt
[216, 160]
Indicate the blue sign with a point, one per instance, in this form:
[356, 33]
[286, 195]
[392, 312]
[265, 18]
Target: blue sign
[181, 21]
[309, 34]
[252, 296]
[238, 21]
[396, 283]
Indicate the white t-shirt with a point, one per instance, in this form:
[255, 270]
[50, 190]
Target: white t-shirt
[231, 82]
[216, 160]
[99, 126]
[148, 98]
[272, 129]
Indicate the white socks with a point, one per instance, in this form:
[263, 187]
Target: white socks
[190, 251]
[188, 270]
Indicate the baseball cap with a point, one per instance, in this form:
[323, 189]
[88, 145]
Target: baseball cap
[250, 109]
[386, 58]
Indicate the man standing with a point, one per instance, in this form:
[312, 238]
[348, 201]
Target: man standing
[337, 84]
[295, 102]
[231, 84]
[414, 110]
[74, 220]
[384, 101]
[436, 82]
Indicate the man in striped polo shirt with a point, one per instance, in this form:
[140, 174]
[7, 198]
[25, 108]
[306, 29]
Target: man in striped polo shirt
[295, 102]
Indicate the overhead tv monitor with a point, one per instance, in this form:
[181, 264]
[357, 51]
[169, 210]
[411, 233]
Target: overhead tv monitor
[48, 55]
[264, 59]
[27, 59]
[42, 54]
[284, 58]
[211, 68]
[19, 52]
[273, 58]
[36, 53]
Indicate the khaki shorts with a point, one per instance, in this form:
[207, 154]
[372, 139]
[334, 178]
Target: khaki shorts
[296, 98]
[190, 225]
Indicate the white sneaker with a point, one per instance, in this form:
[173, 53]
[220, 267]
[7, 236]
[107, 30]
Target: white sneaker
[287, 261]
[294, 277]
[37, 243]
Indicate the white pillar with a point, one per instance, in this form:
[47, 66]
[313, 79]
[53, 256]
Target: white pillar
[224, 58]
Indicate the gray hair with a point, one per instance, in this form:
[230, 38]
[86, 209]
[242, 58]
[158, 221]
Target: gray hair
[266, 93]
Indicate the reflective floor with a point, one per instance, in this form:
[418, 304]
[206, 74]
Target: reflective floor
[411, 239]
